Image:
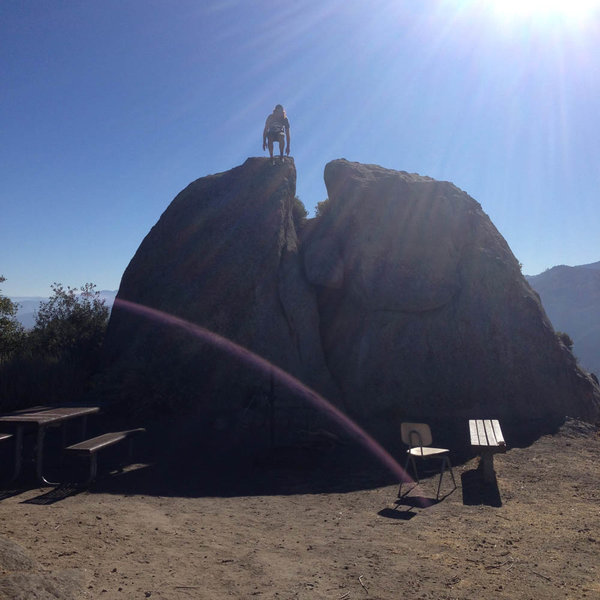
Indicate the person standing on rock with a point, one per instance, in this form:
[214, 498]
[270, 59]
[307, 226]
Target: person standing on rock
[277, 127]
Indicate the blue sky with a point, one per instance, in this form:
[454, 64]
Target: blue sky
[110, 108]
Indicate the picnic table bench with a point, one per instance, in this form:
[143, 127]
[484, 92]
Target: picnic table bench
[487, 440]
[40, 419]
[93, 446]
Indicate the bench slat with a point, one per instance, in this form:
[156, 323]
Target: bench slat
[481, 433]
[474, 434]
[102, 441]
[5, 436]
[498, 432]
[489, 433]
[486, 433]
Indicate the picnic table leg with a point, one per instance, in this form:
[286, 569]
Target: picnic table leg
[487, 466]
[18, 453]
[39, 453]
[39, 463]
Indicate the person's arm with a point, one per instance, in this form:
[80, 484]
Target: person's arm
[287, 139]
[265, 130]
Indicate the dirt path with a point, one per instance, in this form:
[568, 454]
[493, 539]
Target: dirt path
[536, 537]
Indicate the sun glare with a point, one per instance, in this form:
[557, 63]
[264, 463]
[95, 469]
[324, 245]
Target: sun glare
[561, 9]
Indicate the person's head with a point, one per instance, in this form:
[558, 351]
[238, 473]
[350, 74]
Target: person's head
[279, 110]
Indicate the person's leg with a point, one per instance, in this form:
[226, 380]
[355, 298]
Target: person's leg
[281, 141]
[270, 144]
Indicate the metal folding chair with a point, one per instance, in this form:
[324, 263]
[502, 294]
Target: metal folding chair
[418, 438]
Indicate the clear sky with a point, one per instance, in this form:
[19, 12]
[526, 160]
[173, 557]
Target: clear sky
[109, 108]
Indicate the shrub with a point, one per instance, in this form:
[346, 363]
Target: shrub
[56, 361]
[299, 214]
[11, 331]
[565, 339]
[322, 208]
[70, 324]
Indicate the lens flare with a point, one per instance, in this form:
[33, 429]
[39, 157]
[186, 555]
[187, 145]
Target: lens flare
[261, 364]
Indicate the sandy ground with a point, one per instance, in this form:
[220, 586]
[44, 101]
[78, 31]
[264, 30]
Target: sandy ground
[268, 532]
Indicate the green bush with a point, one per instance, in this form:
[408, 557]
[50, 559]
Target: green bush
[299, 214]
[322, 208]
[70, 324]
[56, 360]
[11, 331]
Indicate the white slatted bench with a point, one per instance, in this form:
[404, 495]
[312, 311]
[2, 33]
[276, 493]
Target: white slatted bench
[487, 440]
[92, 446]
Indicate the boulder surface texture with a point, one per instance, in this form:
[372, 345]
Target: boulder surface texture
[424, 310]
[224, 256]
[400, 300]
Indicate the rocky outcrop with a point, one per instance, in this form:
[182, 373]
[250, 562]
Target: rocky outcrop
[401, 301]
[224, 255]
[424, 310]
[22, 577]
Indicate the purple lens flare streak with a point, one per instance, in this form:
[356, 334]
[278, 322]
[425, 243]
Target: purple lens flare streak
[279, 374]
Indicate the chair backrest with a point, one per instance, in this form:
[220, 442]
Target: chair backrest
[416, 434]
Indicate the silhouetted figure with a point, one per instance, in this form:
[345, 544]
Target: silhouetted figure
[277, 129]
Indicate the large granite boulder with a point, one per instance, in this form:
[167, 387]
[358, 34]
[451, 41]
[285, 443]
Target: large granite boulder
[423, 308]
[224, 255]
[401, 301]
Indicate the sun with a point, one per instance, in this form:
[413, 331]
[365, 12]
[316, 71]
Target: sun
[543, 9]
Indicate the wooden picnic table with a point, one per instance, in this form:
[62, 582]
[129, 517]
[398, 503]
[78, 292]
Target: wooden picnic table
[41, 418]
[487, 439]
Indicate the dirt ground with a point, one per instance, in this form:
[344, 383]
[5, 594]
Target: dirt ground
[533, 536]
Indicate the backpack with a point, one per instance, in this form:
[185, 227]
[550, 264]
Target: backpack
[276, 128]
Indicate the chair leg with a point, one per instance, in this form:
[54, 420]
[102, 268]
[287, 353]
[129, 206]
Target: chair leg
[414, 464]
[437, 496]
[451, 473]
[445, 465]
[405, 470]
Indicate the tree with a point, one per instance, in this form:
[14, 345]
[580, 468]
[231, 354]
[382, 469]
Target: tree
[322, 208]
[11, 331]
[58, 358]
[299, 214]
[71, 323]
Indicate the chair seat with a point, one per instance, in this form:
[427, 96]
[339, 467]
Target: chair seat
[427, 451]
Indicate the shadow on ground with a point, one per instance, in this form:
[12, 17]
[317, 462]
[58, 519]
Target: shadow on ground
[178, 461]
[55, 494]
[279, 471]
[476, 491]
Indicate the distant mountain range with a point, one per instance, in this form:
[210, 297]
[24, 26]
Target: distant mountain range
[28, 306]
[571, 298]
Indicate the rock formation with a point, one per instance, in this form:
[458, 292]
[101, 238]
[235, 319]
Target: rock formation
[23, 577]
[224, 255]
[424, 310]
[402, 300]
